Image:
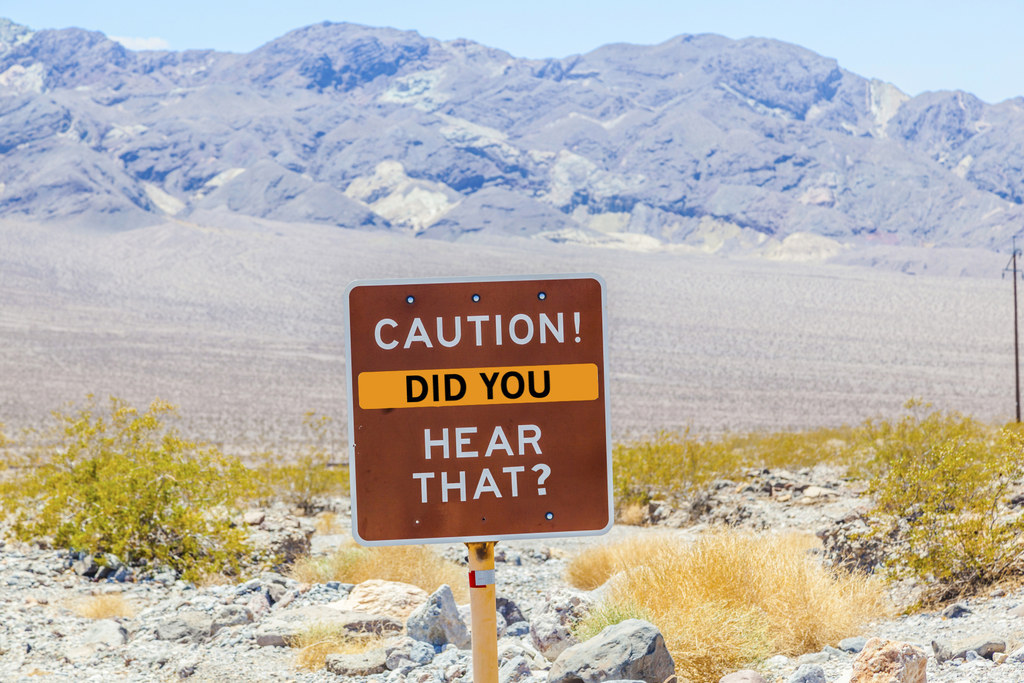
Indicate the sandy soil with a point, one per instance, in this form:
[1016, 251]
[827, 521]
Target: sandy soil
[241, 325]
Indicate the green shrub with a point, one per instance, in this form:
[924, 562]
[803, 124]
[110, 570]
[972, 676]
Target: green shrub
[674, 463]
[314, 472]
[940, 481]
[125, 483]
[670, 464]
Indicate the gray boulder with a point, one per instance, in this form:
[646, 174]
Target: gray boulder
[185, 627]
[405, 651]
[107, 633]
[437, 621]
[853, 645]
[808, 673]
[551, 628]
[365, 664]
[230, 615]
[284, 626]
[632, 649]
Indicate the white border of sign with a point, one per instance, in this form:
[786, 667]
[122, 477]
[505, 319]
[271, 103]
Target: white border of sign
[351, 413]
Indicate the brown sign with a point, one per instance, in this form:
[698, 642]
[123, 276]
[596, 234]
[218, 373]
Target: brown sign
[477, 409]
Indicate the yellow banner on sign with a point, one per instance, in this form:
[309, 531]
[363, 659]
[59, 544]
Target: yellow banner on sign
[478, 386]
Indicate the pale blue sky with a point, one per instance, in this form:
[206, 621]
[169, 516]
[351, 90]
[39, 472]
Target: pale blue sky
[918, 45]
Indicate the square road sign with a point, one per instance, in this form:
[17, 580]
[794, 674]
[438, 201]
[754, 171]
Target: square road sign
[477, 409]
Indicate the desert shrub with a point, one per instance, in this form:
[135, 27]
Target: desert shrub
[940, 482]
[730, 599]
[794, 449]
[312, 473]
[414, 564]
[125, 483]
[673, 464]
[670, 464]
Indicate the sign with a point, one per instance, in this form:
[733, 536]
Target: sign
[477, 409]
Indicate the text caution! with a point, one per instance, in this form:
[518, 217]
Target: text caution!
[478, 386]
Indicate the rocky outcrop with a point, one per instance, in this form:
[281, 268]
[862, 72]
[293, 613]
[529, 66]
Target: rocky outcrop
[630, 650]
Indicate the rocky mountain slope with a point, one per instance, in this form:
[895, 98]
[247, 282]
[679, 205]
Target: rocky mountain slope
[701, 140]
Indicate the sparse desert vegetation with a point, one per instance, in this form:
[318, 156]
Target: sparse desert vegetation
[418, 565]
[729, 599]
[940, 486]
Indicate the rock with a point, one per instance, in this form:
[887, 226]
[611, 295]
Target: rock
[551, 628]
[282, 536]
[254, 517]
[186, 668]
[808, 673]
[509, 610]
[105, 632]
[392, 598]
[258, 604]
[86, 566]
[515, 670]
[999, 657]
[437, 621]
[1017, 656]
[744, 676]
[984, 645]
[365, 664]
[1017, 611]
[230, 615]
[889, 661]
[110, 566]
[631, 649]
[518, 629]
[274, 593]
[185, 627]
[406, 651]
[956, 611]
[279, 630]
[854, 644]
[510, 648]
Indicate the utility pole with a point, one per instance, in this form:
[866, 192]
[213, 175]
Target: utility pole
[1012, 266]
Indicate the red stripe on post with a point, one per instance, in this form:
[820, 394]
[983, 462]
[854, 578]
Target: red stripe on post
[478, 578]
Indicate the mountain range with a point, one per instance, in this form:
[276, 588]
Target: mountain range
[701, 141]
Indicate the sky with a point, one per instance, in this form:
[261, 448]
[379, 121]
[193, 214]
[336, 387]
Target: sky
[915, 44]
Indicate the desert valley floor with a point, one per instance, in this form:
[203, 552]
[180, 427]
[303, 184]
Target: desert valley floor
[241, 324]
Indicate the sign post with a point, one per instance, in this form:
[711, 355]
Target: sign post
[478, 413]
[483, 612]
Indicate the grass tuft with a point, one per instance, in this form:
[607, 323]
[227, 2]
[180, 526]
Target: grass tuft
[728, 599]
[109, 606]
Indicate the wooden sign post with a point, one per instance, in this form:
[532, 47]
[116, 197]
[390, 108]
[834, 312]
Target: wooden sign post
[477, 413]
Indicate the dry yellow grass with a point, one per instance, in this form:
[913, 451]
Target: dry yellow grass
[320, 640]
[328, 523]
[415, 564]
[730, 598]
[632, 514]
[106, 606]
